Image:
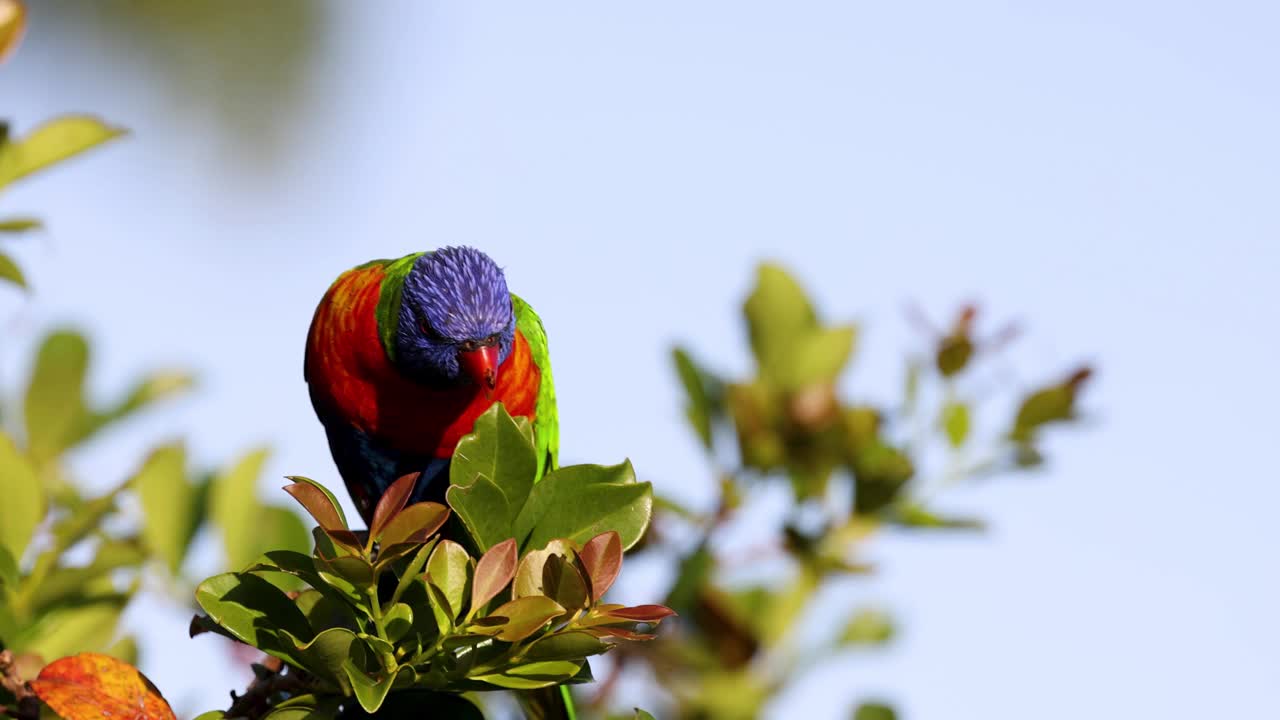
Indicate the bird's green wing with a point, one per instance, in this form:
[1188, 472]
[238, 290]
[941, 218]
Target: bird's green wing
[546, 422]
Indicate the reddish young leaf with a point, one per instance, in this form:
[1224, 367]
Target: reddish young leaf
[602, 557]
[351, 541]
[90, 686]
[643, 613]
[392, 502]
[414, 524]
[495, 569]
[317, 504]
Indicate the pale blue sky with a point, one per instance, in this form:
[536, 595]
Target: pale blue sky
[1104, 171]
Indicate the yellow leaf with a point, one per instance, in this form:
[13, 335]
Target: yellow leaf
[13, 20]
[22, 507]
[90, 686]
[51, 143]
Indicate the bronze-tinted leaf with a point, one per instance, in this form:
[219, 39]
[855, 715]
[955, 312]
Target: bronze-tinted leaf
[318, 504]
[495, 569]
[415, 524]
[392, 502]
[525, 616]
[602, 558]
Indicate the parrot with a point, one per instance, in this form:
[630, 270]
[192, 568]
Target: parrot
[401, 358]
[403, 355]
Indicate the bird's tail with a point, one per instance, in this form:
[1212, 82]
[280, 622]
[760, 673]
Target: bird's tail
[549, 703]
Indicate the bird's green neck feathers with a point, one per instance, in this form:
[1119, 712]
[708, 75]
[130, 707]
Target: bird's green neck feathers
[389, 300]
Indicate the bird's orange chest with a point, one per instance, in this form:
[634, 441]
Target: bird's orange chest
[349, 372]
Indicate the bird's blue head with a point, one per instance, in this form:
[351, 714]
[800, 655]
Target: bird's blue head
[456, 320]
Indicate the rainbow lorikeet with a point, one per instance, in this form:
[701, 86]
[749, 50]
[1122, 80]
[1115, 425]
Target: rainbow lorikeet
[403, 356]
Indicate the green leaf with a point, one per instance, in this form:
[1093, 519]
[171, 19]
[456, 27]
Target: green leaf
[816, 357]
[370, 691]
[566, 646]
[1052, 404]
[867, 627]
[219, 715]
[398, 620]
[556, 670]
[355, 570]
[151, 389]
[880, 472]
[778, 314]
[916, 516]
[698, 406]
[252, 609]
[325, 711]
[8, 568]
[414, 569]
[54, 404]
[911, 387]
[51, 143]
[954, 420]
[126, 649]
[325, 656]
[874, 711]
[67, 584]
[10, 272]
[491, 476]
[170, 504]
[514, 683]
[23, 503]
[581, 501]
[282, 529]
[326, 610]
[640, 715]
[449, 570]
[235, 510]
[85, 628]
[495, 569]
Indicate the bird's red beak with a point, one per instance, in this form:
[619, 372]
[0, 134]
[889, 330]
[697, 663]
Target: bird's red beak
[481, 365]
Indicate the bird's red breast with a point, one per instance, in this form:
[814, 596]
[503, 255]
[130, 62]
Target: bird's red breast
[351, 376]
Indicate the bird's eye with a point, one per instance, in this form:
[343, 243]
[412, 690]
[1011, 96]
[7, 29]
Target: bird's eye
[469, 345]
[491, 340]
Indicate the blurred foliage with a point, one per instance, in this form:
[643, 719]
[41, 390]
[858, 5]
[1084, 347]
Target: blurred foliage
[506, 587]
[241, 70]
[74, 557]
[402, 616]
[853, 469]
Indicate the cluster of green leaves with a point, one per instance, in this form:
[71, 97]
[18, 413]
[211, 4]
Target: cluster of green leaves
[404, 610]
[47, 145]
[71, 558]
[53, 602]
[853, 468]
